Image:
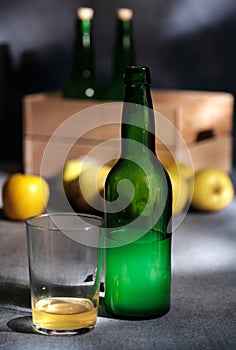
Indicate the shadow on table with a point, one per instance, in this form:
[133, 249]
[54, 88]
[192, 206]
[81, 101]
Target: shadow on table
[2, 215]
[102, 309]
[21, 324]
[14, 294]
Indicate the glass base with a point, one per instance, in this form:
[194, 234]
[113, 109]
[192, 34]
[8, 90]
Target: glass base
[54, 332]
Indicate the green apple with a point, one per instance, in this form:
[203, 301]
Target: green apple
[213, 190]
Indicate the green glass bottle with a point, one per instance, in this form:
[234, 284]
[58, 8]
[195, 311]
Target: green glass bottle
[123, 54]
[138, 212]
[82, 84]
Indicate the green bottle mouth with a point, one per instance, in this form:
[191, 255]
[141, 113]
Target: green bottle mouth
[137, 75]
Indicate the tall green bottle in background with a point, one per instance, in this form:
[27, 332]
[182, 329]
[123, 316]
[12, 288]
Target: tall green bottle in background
[138, 211]
[123, 54]
[82, 84]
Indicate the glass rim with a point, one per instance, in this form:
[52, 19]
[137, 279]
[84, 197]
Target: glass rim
[29, 220]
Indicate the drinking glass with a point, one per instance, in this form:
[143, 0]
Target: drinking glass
[65, 263]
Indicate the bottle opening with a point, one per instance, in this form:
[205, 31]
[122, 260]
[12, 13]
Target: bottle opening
[85, 13]
[137, 75]
[124, 14]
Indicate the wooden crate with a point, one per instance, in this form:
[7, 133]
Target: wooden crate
[203, 121]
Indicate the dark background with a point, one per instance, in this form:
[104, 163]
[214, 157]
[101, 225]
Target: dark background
[188, 44]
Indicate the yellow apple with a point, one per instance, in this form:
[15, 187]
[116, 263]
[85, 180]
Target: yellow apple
[180, 190]
[84, 181]
[92, 183]
[181, 175]
[24, 196]
[184, 170]
[73, 167]
[213, 190]
[71, 172]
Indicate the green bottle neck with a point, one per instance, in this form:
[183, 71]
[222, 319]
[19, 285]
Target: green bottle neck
[83, 60]
[138, 122]
[123, 51]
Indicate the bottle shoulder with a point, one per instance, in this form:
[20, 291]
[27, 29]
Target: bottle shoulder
[147, 171]
[138, 191]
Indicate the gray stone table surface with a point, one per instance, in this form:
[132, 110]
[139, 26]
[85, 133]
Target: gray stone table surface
[202, 314]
